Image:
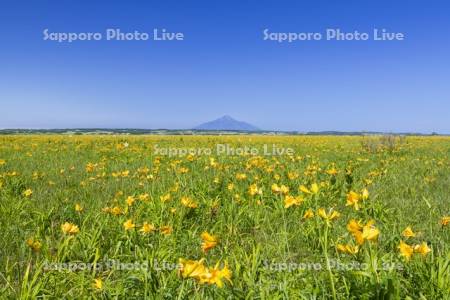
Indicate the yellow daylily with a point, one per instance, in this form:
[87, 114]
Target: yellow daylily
[78, 208]
[291, 200]
[405, 250]
[347, 248]
[192, 268]
[188, 202]
[331, 215]
[128, 224]
[34, 244]
[209, 241]
[216, 275]
[308, 214]
[408, 232]
[445, 220]
[423, 249]
[254, 190]
[98, 283]
[69, 228]
[28, 192]
[147, 228]
[166, 230]
[353, 199]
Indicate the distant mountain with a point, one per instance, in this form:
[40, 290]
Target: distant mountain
[227, 123]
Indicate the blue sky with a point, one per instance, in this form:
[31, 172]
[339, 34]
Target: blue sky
[224, 67]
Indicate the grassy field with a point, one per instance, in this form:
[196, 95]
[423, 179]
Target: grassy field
[117, 217]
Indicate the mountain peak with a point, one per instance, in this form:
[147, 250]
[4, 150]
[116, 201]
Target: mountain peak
[226, 118]
[227, 123]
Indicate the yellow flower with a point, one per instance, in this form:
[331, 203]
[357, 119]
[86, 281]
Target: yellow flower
[241, 176]
[128, 224]
[332, 171]
[147, 228]
[165, 198]
[144, 197]
[35, 245]
[354, 226]
[291, 200]
[347, 248]
[408, 232]
[292, 175]
[275, 188]
[304, 189]
[69, 228]
[314, 188]
[130, 200]
[216, 276]
[365, 194]
[209, 241]
[98, 283]
[362, 233]
[352, 200]
[90, 167]
[332, 214]
[308, 214]
[2, 162]
[422, 249]
[116, 210]
[28, 193]
[188, 202]
[166, 230]
[445, 220]
[284, 189]
[370, 232]
[192, 268]
[254, 190]
[78, 208]
[405, 250]
[230, 186]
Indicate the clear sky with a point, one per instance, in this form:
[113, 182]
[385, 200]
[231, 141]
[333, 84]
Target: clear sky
[225, 67]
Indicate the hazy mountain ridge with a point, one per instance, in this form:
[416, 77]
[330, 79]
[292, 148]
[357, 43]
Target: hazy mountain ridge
[227, 123]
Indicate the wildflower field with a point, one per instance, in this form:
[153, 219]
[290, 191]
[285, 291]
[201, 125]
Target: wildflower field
[335, 218]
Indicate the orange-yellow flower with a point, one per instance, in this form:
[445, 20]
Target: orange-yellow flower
[365, 194]
[445, 220]
[209, 241]
[78, 208]
[362, 233]
[130, 200]
[353, 199]
[192, 268]
[128, 224]
[254, 190]
[354, 226]
[28, 193]
[405, 250]
[216, 275]
[291, 200]
[98, 283]
[34, 244]
[166, 230]
[308, 214]
[69, 228]
[347, 248]
[147, 228]
[408, 232]
[330, 216]
[165, 198]
[188, 202]
[370, 232]
[423, 249]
